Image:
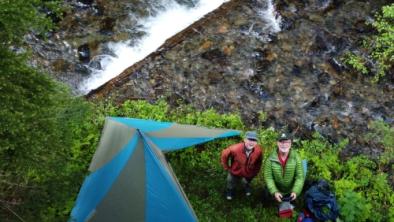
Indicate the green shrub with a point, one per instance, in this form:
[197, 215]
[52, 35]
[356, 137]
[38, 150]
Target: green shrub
[383, 134]
[356, 62]
[354, 207]
[323, 157]
[383, 43]
[379, 47]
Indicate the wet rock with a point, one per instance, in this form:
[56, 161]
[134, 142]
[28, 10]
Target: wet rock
[206, 45]
[215, 56]
[223, 29]
[361, 26]
[269, 55]
[324, 78]
[107, 25]
[335, 123]
[338, 90]
[84, 53]
[189, 3]
[338, 66]
[296, 70]
[60, 65]
[287, 24]
[82, 69]
[323, 5]
[95, 64]
[86, 2]
[321, 43]
[215, 77]
[228, 49]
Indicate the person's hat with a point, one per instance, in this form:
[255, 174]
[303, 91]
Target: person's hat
[251, 135]
[284, 136]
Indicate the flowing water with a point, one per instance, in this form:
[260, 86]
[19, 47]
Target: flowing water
[172, 19]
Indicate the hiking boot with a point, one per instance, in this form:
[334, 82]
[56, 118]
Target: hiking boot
[229, 195]
[248, 191]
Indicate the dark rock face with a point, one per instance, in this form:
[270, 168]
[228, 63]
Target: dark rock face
[297, 78]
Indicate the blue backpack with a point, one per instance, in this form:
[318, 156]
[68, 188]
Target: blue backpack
[321, 202]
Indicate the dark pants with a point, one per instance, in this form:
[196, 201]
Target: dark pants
[232, 180]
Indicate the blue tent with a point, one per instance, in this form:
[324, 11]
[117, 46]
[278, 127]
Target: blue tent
[130, 179]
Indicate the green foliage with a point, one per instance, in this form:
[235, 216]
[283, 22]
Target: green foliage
[357, 179]
[378, 48]
[37, 116]
[19, 17]
[359, 170]
[144, 110]
[383, 42]
[354, 207]
[267, 138]
[344, 185]
[382, 133]
[323, 157]
[356, 62]
[263, 116]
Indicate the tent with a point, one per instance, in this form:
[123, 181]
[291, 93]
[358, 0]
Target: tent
[130, 179]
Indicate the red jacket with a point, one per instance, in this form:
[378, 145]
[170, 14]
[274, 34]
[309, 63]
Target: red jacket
[235, 160]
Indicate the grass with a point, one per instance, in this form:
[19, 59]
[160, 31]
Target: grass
[205, 189]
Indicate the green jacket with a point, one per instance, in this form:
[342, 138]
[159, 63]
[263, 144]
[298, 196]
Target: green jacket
[291, 180]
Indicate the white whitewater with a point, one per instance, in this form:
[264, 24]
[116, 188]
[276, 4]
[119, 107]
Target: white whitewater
[272, 17]
[167, 23]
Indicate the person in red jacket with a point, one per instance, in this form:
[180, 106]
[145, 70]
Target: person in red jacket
[243, 163]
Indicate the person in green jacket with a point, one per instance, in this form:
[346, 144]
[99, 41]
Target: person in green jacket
[283, 171]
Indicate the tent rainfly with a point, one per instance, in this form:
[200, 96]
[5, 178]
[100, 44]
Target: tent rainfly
[130, 179]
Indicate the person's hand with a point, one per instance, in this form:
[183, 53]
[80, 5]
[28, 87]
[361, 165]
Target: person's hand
[278, 196]
[293, 196]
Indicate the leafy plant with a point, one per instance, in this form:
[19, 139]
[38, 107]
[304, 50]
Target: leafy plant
[323, 157]
[383, 42]
[356, 62]
[354, 207]
[382, 133]
[20, 17]
[379, 48]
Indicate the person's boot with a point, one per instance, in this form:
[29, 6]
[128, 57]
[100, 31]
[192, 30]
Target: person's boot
[229, 194]
[248, 191]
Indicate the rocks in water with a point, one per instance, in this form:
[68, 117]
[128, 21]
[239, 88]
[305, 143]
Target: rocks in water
[107, 25]
[324, 78]
[84, 53]
[286, 24]
[60, 65]
[323, 5]
[338, 66]
[86, 2]
[214, 77]
[215, 56]
[320, 43]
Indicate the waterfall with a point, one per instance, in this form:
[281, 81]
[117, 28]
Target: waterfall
[272, 18]
[165, 24]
